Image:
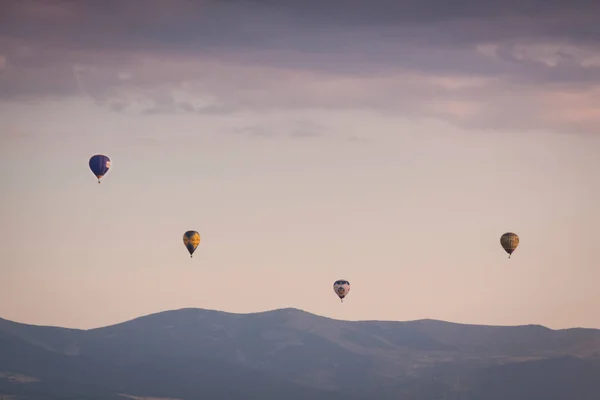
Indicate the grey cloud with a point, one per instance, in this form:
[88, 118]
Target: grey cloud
[394, 11]
[307, 129]
[179, 25]
[296, 129]
[357, 139]
[200, 24]
[140, 55]
[452, 22]
[184, 107]
[390, 32]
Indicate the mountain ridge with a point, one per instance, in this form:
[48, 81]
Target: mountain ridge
[192, 352]
[287, 309]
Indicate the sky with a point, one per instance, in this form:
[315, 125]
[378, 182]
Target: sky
[386, 142]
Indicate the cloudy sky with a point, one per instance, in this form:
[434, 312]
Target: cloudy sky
[387, 142]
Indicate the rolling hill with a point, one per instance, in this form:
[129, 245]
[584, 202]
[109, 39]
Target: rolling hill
[195, 354]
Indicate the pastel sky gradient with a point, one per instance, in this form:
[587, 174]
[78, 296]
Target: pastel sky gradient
[386, 142]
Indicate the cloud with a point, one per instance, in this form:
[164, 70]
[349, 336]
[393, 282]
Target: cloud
[299, 129]
[495, 64]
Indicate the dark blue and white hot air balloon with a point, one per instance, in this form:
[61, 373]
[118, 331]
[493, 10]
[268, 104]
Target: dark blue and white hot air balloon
[99, 164]
[341, 288]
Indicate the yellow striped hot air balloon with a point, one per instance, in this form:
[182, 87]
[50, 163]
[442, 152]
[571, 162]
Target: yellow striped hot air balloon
[191, 240]
[509, 242]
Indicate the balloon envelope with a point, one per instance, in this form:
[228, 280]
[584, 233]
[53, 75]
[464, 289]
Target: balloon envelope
[509, 242]
[191, 240]
[341, 288]
[99, 164]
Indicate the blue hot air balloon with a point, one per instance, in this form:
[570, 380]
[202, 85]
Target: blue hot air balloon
[99, 164]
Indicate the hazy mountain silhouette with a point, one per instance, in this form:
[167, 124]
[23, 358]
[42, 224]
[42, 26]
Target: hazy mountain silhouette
[195, 354]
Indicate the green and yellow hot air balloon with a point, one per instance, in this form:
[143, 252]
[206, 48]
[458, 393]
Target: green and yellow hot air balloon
[509, 242]
[191, 240]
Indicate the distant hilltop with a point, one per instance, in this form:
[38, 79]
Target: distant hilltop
[191, 353]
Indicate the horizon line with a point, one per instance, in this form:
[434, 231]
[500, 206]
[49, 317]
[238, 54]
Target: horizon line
[297, 310]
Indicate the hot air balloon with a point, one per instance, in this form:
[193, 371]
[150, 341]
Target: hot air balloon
[99, 164]
[341, 288]
[191, 240]
[509, 242]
